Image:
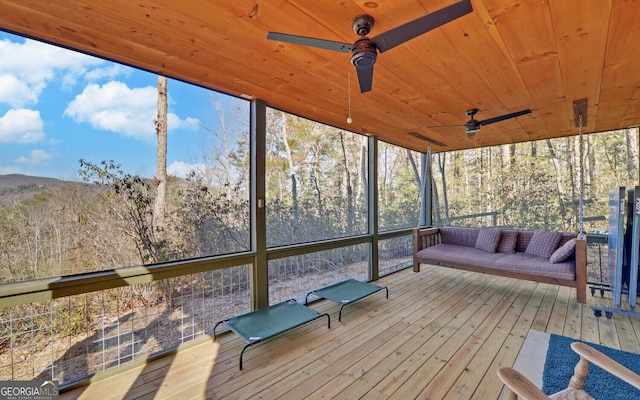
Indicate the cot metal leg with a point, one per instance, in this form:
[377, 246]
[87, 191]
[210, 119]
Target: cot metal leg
[306, 299]
[344, 303]
[243, 349]
[340, 312]
[328, 319]
[224, 321]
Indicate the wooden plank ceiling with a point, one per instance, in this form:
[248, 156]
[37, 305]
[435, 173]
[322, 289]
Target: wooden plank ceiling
[505, 56]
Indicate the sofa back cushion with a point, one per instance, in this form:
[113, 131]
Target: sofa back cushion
[488, 239]
[508, 241]
[543, 243]
[459, 235]
[524, 237]
[566, 237]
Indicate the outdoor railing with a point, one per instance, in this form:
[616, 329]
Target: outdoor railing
[70, 328]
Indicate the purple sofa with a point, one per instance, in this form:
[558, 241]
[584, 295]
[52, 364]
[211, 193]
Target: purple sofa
[542, 256]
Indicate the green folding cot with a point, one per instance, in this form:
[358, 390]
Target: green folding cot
[265, 323]
[346, 292]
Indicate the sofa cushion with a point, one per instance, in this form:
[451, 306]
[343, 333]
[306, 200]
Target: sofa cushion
[566, 237]
[488, 239]
[507, 243]
[446, 254]
[534, 265]
[459, 235]
[543, 243]
[524, 237]
[563, 252]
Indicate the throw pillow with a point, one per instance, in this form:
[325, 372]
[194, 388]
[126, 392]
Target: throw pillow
[563, 252]
[543, 243]
[508, 240]
[488, 239]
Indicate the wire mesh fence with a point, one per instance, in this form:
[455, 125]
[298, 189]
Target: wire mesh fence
[294, 277]
[71, 338]
[395, 254]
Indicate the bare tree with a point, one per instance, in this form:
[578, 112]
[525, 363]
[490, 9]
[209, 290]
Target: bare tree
[442, 160]
[161, 158]
[292, 170]
[632, 154]
[348, 188]
[560, 188]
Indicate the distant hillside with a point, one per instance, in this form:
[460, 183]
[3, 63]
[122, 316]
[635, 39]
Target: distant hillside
[16, 180]
[15, 188]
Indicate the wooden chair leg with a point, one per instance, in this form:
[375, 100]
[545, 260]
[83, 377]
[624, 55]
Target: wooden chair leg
[580, 372]
[509, 395]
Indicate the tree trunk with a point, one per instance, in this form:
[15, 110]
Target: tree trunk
[225, 161]
[161, 158]
[315, 177]
[292, 172]
[364, 178]
[347, 178]
[591, 166]
[574, 178]
[559, 186]
[632, 154]
[512, 153]
[491, 183]
[414, 167]
[445, 200]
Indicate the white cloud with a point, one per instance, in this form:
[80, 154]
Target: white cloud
[174, 122]
[15, 92]
[22, 126]
[110, 71]
[34, 64]
[117, 108]
[35, 157]
[182, 169]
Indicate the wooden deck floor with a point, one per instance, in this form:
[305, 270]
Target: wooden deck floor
[442, 334]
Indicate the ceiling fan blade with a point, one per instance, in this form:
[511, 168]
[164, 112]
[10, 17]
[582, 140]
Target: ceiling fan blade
[313, 42]
[417, 27]
[365, 77]
[443, 126]
[503, 117]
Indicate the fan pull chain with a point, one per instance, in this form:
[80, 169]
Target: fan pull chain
[349, 120]
[581, 232]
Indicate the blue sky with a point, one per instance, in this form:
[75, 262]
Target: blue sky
[58, 106]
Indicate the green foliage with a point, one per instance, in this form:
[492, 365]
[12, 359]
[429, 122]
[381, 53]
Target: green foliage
[206, 220]
[130, 199]
[531, 203]
[73, 317]
[314, 183]
[108, 222]
[535, 185]
[398, 188]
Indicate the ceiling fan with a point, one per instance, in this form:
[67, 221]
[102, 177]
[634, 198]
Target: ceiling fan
[364, 51]
[472, 126]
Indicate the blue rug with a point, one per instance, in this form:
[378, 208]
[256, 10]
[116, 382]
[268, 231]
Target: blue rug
[561, 360]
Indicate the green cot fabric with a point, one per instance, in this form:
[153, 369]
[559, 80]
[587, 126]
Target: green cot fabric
[347, 291]
[270, 321]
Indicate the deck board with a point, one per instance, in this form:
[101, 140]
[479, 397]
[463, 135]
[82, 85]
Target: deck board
[441, 334]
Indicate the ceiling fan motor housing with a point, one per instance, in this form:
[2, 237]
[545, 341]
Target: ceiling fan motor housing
[364, 53]
[472, 127]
